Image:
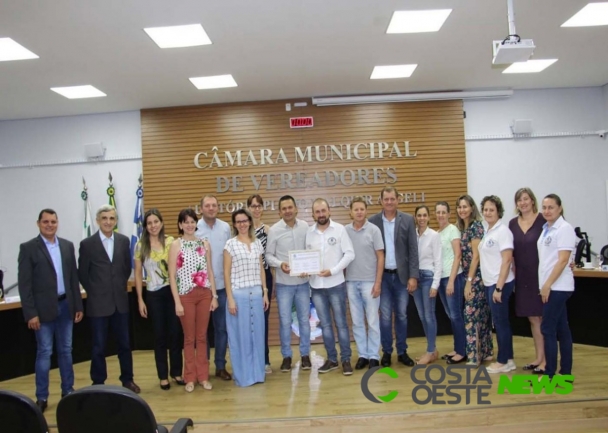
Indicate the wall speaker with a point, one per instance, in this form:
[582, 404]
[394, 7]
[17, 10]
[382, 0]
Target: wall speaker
[94, 150]
[522, 126]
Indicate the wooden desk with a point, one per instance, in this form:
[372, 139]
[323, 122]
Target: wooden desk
[590, 273]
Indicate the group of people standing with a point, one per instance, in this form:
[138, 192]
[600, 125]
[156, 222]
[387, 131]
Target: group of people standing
[227, 274]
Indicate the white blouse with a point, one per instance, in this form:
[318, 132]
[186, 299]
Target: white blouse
[429, 254]
[245, 271]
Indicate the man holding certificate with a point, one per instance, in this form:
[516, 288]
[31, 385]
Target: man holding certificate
[285, 238]
[328, 287]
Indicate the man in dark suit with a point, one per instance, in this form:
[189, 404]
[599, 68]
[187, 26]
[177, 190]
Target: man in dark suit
[104, 267]
[400, 276]
[51, 301]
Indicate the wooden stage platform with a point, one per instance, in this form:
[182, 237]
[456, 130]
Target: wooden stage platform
[302, 401]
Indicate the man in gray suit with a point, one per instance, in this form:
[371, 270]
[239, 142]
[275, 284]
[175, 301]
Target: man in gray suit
[104, 267]
[51, 301]
[400, 276]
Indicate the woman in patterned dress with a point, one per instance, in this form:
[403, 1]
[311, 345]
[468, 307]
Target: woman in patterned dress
[255, 205]
[247, 299]
[477, 320]
[193, 288]
[152, 254]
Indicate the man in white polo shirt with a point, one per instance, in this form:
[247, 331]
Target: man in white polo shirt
[328, 288]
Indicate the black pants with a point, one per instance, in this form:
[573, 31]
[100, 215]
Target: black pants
[267, 312]
[167, 332]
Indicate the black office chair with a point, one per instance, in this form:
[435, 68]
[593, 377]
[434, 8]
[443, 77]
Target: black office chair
[19, 414]
[109, 409]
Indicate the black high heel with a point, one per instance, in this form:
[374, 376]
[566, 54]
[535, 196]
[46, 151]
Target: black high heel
[453, 361]
[180, 382]
[166, 386]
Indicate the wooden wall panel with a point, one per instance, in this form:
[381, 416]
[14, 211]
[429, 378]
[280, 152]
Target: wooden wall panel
[171, 137]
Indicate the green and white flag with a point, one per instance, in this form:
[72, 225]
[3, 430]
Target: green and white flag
[111, 199]
[87, 227]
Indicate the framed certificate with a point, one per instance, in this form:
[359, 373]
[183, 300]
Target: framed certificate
[304, 262]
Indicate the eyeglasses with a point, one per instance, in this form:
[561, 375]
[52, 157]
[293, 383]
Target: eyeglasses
[256, 206]
[241, 222]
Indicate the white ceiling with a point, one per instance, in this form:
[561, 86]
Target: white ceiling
[276, 49]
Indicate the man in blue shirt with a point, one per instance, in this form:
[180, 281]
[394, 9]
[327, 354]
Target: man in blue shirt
[51, 301]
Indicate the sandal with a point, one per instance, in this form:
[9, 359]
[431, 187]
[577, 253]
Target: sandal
[206, 385]
[189, 387]
[530, 366]
[538, 370]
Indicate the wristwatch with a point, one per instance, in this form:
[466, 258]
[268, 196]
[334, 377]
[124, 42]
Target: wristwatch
[215, 297]
[498, 290]
[469, 279]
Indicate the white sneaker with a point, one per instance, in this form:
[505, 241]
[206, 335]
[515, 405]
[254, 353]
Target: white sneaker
[268, 369]
[512, 365]
[505, 368]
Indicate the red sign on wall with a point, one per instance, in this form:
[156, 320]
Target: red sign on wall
[301, 122]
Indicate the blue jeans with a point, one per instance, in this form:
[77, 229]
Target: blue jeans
[426, 308]
[286, 296]
[61, 330]
[220, 332]
[364, 307]
[500, 316]
[333, 299]
[119, 322]
[555, 328]
[454, 308]
[393, 300]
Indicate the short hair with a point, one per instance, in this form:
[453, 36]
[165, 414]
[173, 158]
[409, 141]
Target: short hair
[422, 206]
[357, 199]
[285, 198]
[522, 191]
[47, 210]
[245, 212]
[256, 197]
[389, 189]
[209, 196]
[475, 216]
[106, 208]
[185, 213]
[557, 200]
[443, 203]
[497, 202]
[319, 200]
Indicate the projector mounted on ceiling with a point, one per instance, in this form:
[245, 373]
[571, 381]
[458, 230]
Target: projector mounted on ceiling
[512, 48]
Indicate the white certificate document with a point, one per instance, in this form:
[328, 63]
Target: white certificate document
[304, 262]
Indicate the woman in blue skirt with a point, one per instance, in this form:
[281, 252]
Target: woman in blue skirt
[247, 299]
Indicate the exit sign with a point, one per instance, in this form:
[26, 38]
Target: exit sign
[301, 122]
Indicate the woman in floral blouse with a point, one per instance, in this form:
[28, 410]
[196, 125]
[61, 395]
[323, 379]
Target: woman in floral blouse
[477, 320]
[193, 288]
[152, 254]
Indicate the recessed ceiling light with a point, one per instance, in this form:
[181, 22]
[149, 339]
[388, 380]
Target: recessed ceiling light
[11, 50]
[394, 71]
[213, 82]
[78, 92]
[179, 36]
[418, 21]
[594, 14]
[529, 66]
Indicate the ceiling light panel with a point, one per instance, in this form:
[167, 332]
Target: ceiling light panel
[530, 66]
[394, 71]
[11, 50]
[418, 21]
[179, 36]
[79, 92]
[213, 82]
[594, 14]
